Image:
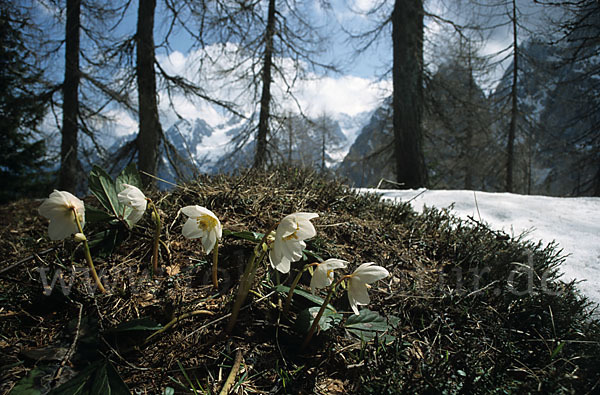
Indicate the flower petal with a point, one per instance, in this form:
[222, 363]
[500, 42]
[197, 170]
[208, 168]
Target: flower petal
[209, 241]
[192, 211]
[357, 294]
[60, 228]
[191, 229]
[369, 273]
[319, 279]
[58, 208]
[306, 230]
[135, 216]
[287, 227]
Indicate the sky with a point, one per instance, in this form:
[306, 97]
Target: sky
[574, 223]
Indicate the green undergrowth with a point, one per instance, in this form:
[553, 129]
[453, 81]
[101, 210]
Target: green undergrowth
[465, 310]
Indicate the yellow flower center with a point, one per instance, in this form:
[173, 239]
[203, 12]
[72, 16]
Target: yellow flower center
[206, 222]
[293, 235]
[330, 273]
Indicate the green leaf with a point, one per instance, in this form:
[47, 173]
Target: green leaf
[93, 215]
[140, 324]
[98, 378]
[557, 350]
[129, 175]
[103, 187]
[307, 316]
[245, 235]
[27, 385]
[307, 295]
[103, 243]
[369, 324]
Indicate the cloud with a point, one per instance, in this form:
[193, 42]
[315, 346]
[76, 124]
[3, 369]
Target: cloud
[316, 94]
[347, 94]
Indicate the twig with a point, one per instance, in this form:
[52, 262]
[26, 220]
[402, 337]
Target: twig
[234, 371]
[176, 320]
[388, 181]
[29, 258]
[416, 196]
[477, 206]
[71, 348]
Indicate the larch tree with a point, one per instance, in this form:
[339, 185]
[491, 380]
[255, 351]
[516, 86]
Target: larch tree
[270, 45]
[149, 126]
[405, 19]
[407, 79]
[69, 164]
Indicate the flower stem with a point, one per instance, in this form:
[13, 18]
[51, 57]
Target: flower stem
[156, 237]
[288, 300]
[215, 272]
[88, 255]
[244, 288]
[260, 250]
[315, 323]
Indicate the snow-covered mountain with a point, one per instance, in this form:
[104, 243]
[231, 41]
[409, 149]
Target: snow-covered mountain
[193, 146]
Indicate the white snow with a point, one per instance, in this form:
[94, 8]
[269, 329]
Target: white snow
[574, 223]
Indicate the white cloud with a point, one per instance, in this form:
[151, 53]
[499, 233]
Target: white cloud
[124, 124]
[317, 94]
[347, 94]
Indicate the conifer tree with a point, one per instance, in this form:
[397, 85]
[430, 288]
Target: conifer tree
[21, 110]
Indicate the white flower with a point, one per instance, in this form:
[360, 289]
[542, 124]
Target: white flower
[133, 198]
[323, 274]
[357, 284]
[58, 208]
[202, 223]
[289, 240]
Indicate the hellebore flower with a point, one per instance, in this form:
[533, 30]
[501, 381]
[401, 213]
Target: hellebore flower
[289, 240]
[133, 198]
[323, 274]
[58, 208]
[202, 223]
[358, 283]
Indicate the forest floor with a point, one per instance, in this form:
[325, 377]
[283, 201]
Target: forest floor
[465, 309]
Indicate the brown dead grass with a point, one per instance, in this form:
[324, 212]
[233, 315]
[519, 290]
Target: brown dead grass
[438, 330]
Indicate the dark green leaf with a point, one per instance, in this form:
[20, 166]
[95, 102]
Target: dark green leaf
[103, 187]
[103, 243]
[307, 316]
[140, 324]
[245, 235]
[97, 379]
[27, 385]
[367, 325]
[557, 350]
[129, 175]
[93, 215]
[307, 295]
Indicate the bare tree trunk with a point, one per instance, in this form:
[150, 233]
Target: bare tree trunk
[150, 129]
[265, 99]
[510, 150]
[407, 38]
[67, 177]
[597, 183]
[469, 163]
[323, 140]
